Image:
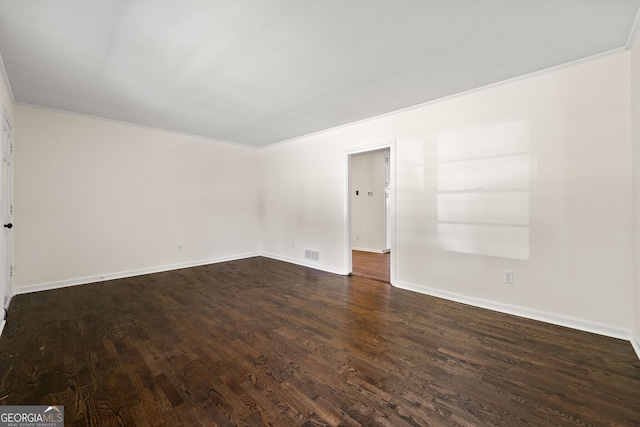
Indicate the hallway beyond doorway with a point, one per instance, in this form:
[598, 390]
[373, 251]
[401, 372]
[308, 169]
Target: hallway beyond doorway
[371, 265]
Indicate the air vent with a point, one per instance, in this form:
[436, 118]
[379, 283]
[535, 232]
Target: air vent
[312, 255]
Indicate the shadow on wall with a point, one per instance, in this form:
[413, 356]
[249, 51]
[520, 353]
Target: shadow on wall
[483, 190]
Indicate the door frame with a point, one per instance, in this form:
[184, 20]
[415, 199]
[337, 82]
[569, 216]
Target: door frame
[391, 145]
[6, 191]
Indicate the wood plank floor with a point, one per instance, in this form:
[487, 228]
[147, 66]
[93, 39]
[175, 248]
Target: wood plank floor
[371, 265]
[258, 342]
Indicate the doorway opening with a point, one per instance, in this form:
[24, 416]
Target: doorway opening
[370, 212]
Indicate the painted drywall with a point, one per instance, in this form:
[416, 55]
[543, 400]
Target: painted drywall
[635, 123]
[367, 194]
[94, 198]
[572, 207]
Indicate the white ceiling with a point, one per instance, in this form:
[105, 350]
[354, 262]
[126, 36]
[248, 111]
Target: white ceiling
[262, 71]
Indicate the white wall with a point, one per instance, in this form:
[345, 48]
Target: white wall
[367, 178]
[302, 203]
[577, 218]
[98, 198]
[635, 121]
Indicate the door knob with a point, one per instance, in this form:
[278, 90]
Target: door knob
[8, 225]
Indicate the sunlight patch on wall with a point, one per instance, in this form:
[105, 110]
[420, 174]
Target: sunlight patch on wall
[483, 190]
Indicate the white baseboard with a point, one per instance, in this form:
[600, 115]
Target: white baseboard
[635, 342]
[305, 263]
[131, 273]
[566, 321]
[375, 251]
[4, 322]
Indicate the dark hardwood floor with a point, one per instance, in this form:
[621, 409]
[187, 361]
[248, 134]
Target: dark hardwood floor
[371, 265]
[260, 342]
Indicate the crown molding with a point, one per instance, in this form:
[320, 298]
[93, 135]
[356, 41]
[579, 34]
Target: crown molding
[633, 34]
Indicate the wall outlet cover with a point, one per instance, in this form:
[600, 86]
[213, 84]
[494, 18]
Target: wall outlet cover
[508, 277]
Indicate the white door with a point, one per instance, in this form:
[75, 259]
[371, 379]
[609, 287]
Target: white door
[6, 201]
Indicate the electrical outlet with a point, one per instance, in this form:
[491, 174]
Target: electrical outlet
[508, 277]
[180, 247]
[293, 243]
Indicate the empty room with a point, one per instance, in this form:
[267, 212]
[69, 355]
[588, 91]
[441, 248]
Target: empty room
[192, 190]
